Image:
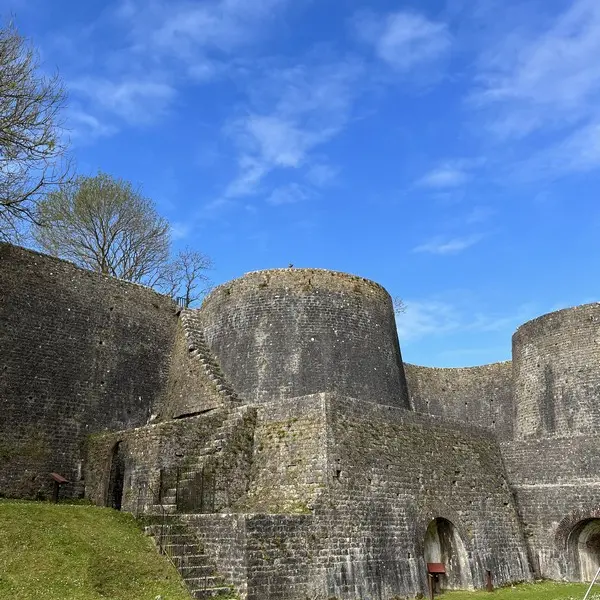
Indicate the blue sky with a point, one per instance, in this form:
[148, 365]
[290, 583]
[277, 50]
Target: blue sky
[447, 149]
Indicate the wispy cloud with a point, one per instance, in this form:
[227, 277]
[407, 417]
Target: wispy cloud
[450, 174]
[84, 127]
[180, 231]
[435, 317]
[135, 101]
[403, 39]
[196, 34]
[444, 177]
[165, 45]
[295, 111]
[322, 174]
[578, 152]
[288, 194]
[479, 214]
[550, 79]
[442, 245]
[424, 318]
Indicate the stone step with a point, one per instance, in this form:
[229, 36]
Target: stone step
[179, 550]
[157, 509]
[191, 560]
[218, 592]
[206, 582]
[179, 539]
[194, 571]
[157, 528]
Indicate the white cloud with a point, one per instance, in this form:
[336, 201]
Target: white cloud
[163, 44]
[404, 39]
[197, 34]
[288, 194]
[321, 174]
[136, 101]
[424, 318]
[180, 230]
[549, 79]
[279, 140]
[580, 151]
[292, 112]
[450, 174]
[84, 127]
[441, 245]
[577, 152]
[251, 172]
[434, 317]
[443, 177]
[479, 214]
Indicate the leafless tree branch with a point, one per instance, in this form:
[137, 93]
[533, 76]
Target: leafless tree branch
[32, 146]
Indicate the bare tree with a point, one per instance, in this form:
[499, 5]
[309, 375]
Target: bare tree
[104, 224]
[185, 277]
[399, 305]
[31, 142]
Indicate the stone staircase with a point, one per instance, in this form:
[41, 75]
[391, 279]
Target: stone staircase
[174, 539]
[200, 351]
[187, 478]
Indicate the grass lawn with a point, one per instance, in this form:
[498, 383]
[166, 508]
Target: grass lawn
[536, 591]
[77, 552]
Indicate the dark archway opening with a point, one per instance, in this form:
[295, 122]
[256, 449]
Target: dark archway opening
[443, 544]
[117, 478]
[583, 548]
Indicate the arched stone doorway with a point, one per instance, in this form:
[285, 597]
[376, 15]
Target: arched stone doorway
[583, 548]
[443, 544]
[114, 496]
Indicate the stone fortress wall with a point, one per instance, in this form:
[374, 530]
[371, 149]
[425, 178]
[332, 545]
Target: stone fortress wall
[80, 353]
[293, 332]
[335, 470]
[481, 396]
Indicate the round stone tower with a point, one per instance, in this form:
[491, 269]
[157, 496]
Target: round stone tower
[291, 332]
[556, 366]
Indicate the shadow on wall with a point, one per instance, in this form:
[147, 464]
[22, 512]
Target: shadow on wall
[444, 545]
[114, 496]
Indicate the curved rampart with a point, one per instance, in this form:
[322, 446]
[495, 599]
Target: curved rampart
[80, 353]
[556, 361]
[477, 395]
[293, 332]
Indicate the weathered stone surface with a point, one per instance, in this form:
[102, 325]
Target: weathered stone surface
[482, 395]
[79, 353]
[294, 332]
[556, 361]
[189, 389]
[280, 424]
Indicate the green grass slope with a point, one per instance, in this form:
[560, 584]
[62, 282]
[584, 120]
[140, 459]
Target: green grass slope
[546, 590]
[64, 552]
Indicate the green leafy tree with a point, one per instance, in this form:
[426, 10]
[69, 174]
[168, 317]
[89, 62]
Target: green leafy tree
[31, 142]
[104, 224]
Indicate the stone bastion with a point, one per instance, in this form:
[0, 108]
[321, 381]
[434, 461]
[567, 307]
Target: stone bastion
[292, 332]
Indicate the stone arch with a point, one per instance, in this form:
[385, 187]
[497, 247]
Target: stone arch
[116, 482]
[583, 550]
[421, 516]
[443, 544]
[578, 542]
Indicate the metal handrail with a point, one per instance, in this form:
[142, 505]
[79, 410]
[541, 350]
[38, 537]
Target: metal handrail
[592, 584]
